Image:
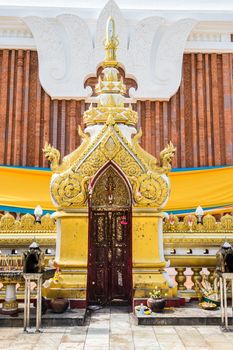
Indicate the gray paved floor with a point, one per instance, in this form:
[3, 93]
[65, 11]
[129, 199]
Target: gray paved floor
[114, 330]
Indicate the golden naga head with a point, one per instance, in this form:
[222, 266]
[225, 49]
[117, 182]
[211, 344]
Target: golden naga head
[166, 157]
[52, 154]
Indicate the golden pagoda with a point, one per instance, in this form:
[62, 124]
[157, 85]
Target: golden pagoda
[109, 194]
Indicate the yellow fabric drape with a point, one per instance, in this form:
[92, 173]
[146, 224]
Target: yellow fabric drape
[26, 188]
[208, 188]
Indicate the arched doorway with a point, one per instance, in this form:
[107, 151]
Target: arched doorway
[110, 251]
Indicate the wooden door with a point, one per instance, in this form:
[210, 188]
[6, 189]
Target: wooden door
[109, 267]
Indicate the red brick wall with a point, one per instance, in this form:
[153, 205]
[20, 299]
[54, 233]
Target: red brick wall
[198, 118]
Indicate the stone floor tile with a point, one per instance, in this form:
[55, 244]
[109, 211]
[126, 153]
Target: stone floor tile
[55, 330]
[19, 347]
[71, 338]
[45, 346]
[122, 341]
[48, 343]
[107, 330]
[100, 342]
[147, 347]
[146, 343]
[135, 327]
[97, 330]
[198, 348]
[216, 338]
[229, 335]
[172, 346]
[221, 346]
[168, 338]
[70, 346]
[27, 338]
[184, 328]
[77, 330]
[193, 340]
[164, 330]
[209, 330]
[5, 344]
[89, 346]
[114, 346]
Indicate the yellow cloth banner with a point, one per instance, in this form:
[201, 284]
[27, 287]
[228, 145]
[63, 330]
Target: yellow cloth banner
[207, 188]
[26, 188]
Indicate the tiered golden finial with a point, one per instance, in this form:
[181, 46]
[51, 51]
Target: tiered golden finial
[110, 87]
[111, 44]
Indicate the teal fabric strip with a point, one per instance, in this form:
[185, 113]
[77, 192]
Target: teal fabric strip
[31, 211]
[173, 170]
[25, 167]
[22, 210]
[201, 168]
[192, 210]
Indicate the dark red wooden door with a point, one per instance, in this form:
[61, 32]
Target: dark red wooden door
[109, 264]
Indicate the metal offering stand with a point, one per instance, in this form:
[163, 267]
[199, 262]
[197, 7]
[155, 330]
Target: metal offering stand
[38, 278]
[224, 269]
[34, 271]
[224, 278]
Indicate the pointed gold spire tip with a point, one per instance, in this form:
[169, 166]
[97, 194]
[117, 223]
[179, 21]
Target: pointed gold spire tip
[111, 44]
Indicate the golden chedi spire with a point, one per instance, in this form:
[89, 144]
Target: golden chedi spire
[110, 88]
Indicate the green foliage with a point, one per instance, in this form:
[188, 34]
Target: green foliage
[156, 293]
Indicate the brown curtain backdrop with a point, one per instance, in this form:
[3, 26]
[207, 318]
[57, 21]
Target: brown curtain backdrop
[198, 118]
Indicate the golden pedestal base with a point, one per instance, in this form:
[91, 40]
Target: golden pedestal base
[145, 282]
[70, 285]
[10, 307]
[72, 255]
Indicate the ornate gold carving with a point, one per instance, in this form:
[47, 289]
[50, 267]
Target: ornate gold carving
[110, 190]
[100, 114]
[150, 189]
[209, 224]
[110, 146]
[53, 155]
[27, 224]
[70, 189]
[166, 157]
[16, 239]
[227, 222]
[118, 230]
[128, 164]
[7, 222]
[151, 162]
[100, 226]
[145, 174]
[111, 43]
[171, 223]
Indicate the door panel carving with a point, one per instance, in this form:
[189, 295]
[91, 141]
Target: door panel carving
[109, 264]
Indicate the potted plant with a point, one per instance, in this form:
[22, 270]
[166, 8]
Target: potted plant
[156, 303]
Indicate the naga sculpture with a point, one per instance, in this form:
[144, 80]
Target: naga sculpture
[53, 155]
[166, 157]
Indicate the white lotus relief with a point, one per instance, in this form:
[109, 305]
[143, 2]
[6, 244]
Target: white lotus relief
[151, 51]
